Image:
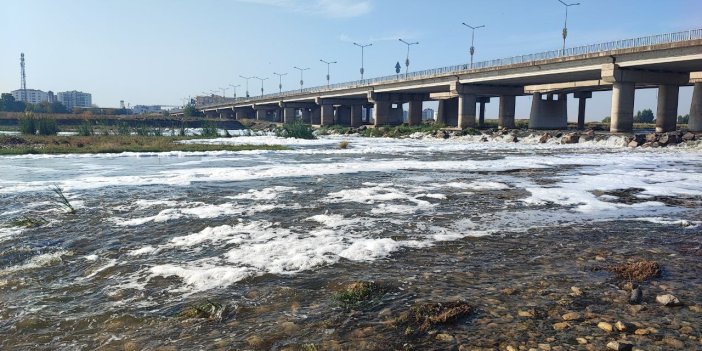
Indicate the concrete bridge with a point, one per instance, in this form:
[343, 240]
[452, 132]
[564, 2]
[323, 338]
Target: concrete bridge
[666, 61]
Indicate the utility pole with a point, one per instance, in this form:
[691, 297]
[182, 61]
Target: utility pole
[362, 46]
[234, 87]
[328, 64]
[407, 61]
[565, 23]
[247, 85]
[261, 79]
[302, 82]
[472, 41]
[224, 92]
[24, 80]
[280, 81]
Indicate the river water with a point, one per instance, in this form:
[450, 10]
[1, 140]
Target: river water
[271, 235]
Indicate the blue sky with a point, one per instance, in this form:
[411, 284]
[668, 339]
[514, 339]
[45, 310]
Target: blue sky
[160, 51]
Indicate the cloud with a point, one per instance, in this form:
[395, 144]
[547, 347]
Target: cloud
[332, 8]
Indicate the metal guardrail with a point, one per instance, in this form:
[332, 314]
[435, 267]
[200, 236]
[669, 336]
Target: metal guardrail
[466, 68]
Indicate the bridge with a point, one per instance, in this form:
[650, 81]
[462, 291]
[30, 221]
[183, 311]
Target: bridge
[666, 61]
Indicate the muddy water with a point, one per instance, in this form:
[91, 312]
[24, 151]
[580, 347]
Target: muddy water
[509, 228]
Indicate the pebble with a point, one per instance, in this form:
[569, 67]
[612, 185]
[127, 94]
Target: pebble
[527, 314]
[581, 341]
[696, 308]
[621, 326]
[619, 346]
[575, 291]
[571, 316]
[605, 326]
[636, 296]
[642, 331]
[674, 343]
[561, 326]
[667, 300]
[445, 337]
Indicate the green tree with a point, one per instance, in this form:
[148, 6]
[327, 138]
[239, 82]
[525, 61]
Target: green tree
[9, 104]
[607, 119]
[644, 116]
[684, 119]
[191, 111]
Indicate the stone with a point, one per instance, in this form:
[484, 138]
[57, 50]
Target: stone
[664, 139]
[642, 331]
[544, 138]
[639, 138]
[622, 327]
[636, 296]
[696, 308]
[632, 144]
[589, 135]
[571, 316]
[561, 326]
[651, 138]
[688, 137]
[674, 343]
[526, 314]
[575, 291]
[605, 326]
[511, 348]
[619, 346]
[445, 337]
[655, 144]
[581, 341]
[514, 139]
[571, 138]
[668, 300]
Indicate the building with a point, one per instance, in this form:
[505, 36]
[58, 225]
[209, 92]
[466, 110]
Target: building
[143, 109]
[208, 100]
[427, 114]
[34, 96]
[72, 99]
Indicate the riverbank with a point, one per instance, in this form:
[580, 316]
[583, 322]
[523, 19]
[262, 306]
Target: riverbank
[21, 145]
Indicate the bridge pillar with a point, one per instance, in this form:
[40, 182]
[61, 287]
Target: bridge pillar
[369, 114]
[211, 114]
[414, 115]
[381, 112]
[441, 113]
[508, 104]
[622, 117]
[695, 121]
[316, 115]
[306, 115]
[327, 117]
[466, 111]
[481, 117]
[261, 114]
[343, 115]
[244, 112]
[396, 114]
[288, 115]
[667, 111]
[549, 113]
[582, 97]
[356, 115]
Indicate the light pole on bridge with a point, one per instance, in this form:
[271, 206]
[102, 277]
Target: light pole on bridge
[302, 82]
[472, 41]
[328, 64]
[362, 46]
[247, 85]
[280, 81]
[234, 87]
[407, 61]
[224, 92]
[261, 79]
[565, 23]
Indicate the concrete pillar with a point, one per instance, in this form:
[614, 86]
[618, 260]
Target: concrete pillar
[481, 117]
[508, 105]
[441, 113]
[306, 115]
[327, 115]
[549, 113]
[695, 122]
[381, 112]
[582, 97]
[343, 115]
[622, 117]
[316, 115]
[451, 112]
[288, 115]
[356, 115]
[369, 114]
[466, 111]
[260, 114]
[414, 114]
[667, 111]
[395, 116]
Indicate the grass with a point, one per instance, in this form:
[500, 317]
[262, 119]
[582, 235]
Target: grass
[209, 130]
[86, 129]
[359, 294]
[297, 129]
[205, 310]
[61, 199]
[99, 144]
[27, 222]
[31, 125]
[638, 271]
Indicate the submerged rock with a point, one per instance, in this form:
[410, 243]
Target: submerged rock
[571, 138]
[688, 137]
[420, 318]
[636, 296]
[636, 271]
[619, 346]
[668, 300]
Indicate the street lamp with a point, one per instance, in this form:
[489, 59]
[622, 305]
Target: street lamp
[362, 46]
[565, 23]
[214, 94]
[234, 87]
[302, 82]
[407, 62]
[224, 92]
[261, 79]
[472, 40]
[328, 64]
[247, 85]
[280, 81]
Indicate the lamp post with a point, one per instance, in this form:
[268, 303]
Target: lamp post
[214, 94]
[280, 81]
[472, 41]
[565, 23]
[302, 82]
[261, 79]
[362, 46]
[328, 64]
[407, 61]
[247, 84]
[224, 92]
[234, 87]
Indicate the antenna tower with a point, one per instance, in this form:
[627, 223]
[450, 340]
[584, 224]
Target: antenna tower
[24, 80]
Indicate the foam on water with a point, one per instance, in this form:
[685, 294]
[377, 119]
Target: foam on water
[39, 261]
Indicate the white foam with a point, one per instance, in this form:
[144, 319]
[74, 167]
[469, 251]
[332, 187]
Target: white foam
[263, 194]
[670, 221]
[39, 261]
[478, 185]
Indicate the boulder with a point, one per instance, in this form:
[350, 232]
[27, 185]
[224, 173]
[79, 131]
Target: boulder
[571, 138]
[674, 138]
[544, 138]
[619, 346]
[688, 137]
[668, 300]
[636, 296]
[588, 135]
[650, 138]
[632, 144]
[664, 139]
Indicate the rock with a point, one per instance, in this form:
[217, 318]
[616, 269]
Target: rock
[636, 296]
[571, 138]
[561, 326]
[575, 291]
[511, 348]
[664, 139]
[623, 327]
[655, 144]
[589, 135]
[651, 138]
[484, 139]
[619, 346]
[558, 135]
[668, 300]
[688, 137]
[509, 291]
[526, 314]
[674, 343]
[696, 308]
[642, 331]
[647, 144]
[514, 139]
[445, 337]
[581, 341]
[639, 138]
[632, 144]
[674, 138]
[605, 326]
[571, 316]
[544, 138]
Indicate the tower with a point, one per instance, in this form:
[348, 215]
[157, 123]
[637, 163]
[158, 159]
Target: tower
[24, 80]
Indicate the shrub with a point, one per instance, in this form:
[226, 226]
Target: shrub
[209, 130]
[297, 129]
[123, 129]
[47, 126]
[28, 125]
[86, 129]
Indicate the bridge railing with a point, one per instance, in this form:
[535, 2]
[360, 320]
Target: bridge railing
[466, 68]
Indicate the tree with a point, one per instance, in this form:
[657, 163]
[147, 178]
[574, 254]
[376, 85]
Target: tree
[684, 119]
[9, 104]
[644, 116]
[191, 111]
[607, 119]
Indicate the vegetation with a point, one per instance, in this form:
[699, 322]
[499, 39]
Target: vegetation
[28, 222]
[31, 125]
[684, 119]
[209, 130]
[297, 129]
[61, 199]
[420, 318]
[86, 129]
[636, 271]
[607, 120]
[191, 111]
[644, 116]
[13, 145]
[359, 294]
[206, 310]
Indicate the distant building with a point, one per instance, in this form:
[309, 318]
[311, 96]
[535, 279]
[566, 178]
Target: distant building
[72, 99]
[52, 96]
[427, 113]
[208, 100]
[143, 109]
[34, 96]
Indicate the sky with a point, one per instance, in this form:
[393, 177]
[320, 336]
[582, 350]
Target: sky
[162, 51]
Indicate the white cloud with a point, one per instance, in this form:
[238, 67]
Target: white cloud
[332, 8]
